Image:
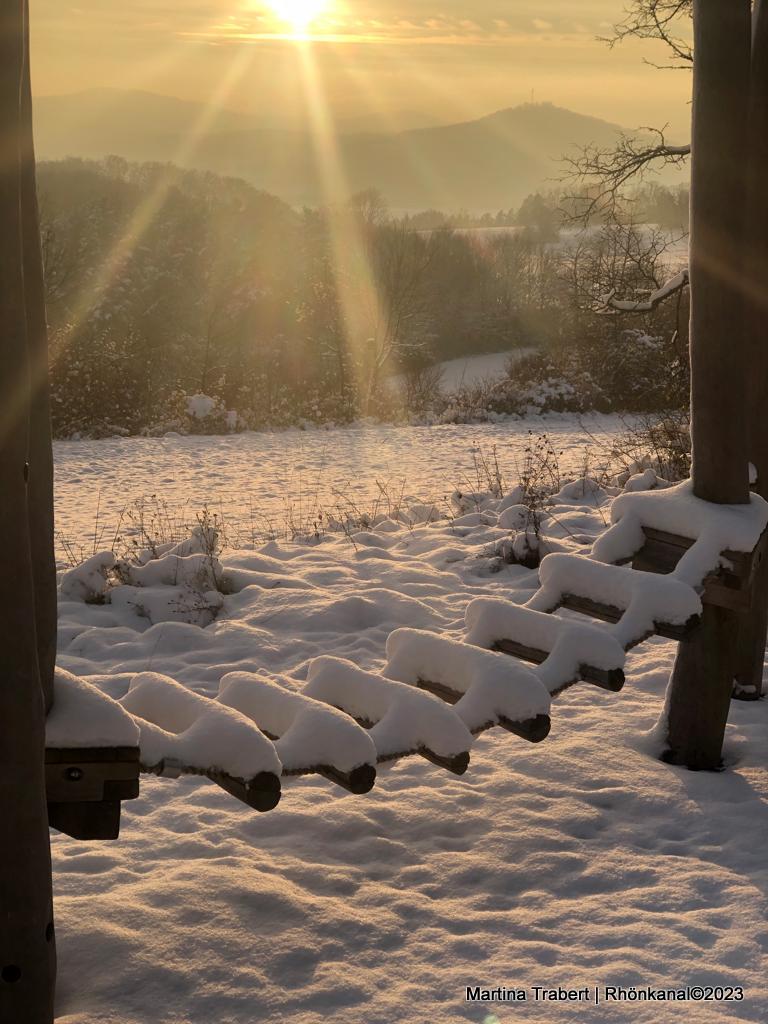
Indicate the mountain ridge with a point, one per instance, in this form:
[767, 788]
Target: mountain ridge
[486, 163]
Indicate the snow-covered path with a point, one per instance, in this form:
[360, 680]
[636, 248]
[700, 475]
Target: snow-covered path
[257, 481]
[580, 861]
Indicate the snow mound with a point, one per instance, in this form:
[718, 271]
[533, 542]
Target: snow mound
[570, 644]
[494, 686]
[309, 732]
[169, 604]
[88, 581]
[182, 731]
[83, 716]
[199, 571]
[404, 719]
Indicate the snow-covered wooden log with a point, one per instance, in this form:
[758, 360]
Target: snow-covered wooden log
[716, 549]
[564, 651]
[184, 733]
[309, 736]
[402, 720]
[638, 604]
[487, 688]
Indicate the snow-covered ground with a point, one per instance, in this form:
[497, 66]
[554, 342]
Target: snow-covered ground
[579, 861]
[255, 481]
[469, 370]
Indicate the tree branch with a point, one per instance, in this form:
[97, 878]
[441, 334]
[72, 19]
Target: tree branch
[609, 304]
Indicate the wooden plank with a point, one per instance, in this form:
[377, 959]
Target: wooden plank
[610, 613]
[606, 679]
[532, 729]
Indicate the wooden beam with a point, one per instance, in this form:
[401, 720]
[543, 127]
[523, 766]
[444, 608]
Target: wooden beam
[607, 679]
[610, 613]
[532, 729]
[262, 793]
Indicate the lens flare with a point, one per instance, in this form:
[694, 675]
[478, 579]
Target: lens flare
[299, 14]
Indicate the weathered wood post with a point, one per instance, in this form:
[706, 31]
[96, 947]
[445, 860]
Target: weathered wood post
[27, 949]
[750, 653]
[702, 679]
[40, 495]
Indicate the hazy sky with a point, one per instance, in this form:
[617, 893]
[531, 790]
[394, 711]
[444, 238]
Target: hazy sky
[447, 58]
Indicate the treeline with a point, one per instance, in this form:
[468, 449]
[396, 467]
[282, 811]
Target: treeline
[165, 283]
[551, 211]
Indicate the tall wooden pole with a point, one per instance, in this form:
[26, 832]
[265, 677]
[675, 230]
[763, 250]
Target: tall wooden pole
[40, 487]
[27, 953]
[750, 653]
[702, 679]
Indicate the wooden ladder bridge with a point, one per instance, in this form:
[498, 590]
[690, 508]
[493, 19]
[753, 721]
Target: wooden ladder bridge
[434, 694]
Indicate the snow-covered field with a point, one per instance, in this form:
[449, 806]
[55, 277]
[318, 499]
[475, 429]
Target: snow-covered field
[579, 861]
[256, 481]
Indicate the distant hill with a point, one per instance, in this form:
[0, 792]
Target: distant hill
[487, 164]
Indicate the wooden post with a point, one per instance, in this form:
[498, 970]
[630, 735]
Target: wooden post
[754, 626]
[40, 487]
[27, 950]
[702, 678]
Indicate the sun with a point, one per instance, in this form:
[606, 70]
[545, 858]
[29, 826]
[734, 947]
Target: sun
[299, 14]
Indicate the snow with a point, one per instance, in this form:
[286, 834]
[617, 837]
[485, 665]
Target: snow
[88, 581]
[677, 510]
[200, 406]
[255, 482]
[83, 716]
[581, 860]
[309, 733]
[182, 730]
[646, 597]
[493, 685]
[404, 719]
[570, 644]
[466, 370]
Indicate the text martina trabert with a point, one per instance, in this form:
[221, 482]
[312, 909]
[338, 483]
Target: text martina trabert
[604, 993]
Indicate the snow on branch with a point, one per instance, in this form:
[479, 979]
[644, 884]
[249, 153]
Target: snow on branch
[609, 304]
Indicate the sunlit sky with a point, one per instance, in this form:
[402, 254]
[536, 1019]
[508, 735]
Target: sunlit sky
[448, 59]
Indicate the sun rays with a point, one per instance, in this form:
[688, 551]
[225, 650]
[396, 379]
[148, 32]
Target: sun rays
[298, 15]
